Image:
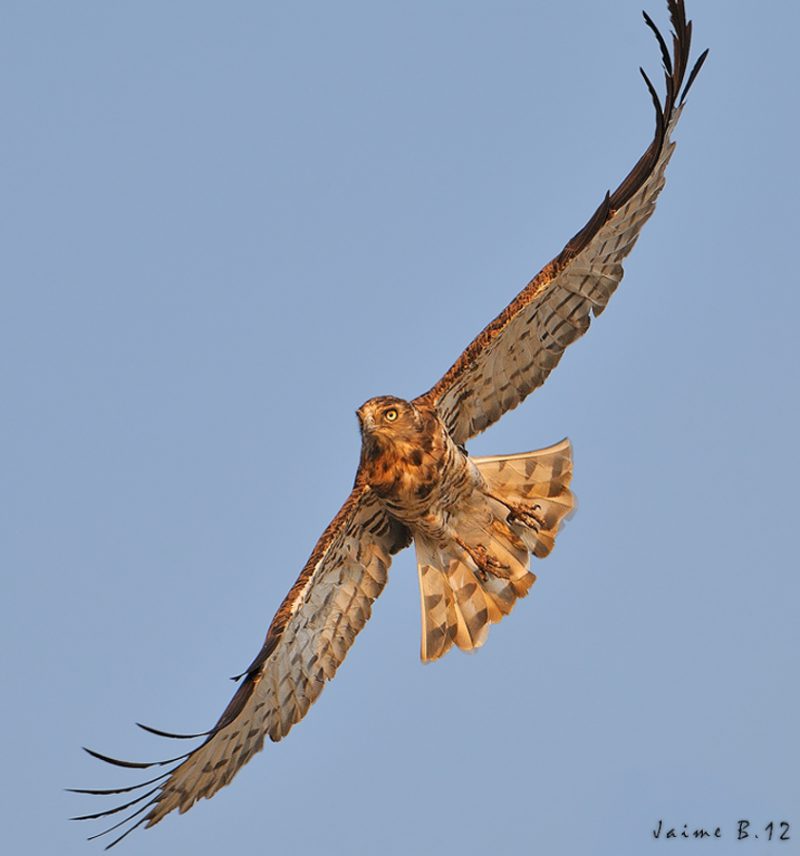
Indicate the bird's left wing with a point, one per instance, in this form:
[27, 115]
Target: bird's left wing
[306, 642]
[516, 352]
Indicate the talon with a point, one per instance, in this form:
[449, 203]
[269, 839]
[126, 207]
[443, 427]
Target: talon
[530, 518]
[487, 564]
[526, 515]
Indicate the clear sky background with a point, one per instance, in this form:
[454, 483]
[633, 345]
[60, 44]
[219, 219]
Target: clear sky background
[226, 225]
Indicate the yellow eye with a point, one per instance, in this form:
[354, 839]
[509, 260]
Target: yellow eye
[390, 415]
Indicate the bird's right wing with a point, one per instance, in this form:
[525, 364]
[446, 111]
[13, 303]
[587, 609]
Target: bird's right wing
[307, 641]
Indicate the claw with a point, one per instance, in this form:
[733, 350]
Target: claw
[485, 564]
[528, 517]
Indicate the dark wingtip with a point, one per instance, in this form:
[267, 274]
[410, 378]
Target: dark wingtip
[665, 57]
[115, 761]
[693, 74]
[122, 823]
[675, 65]
[159, 733]
[660, 122]
[116, 809]
[126, 833]
[136, 765]
[110, 791]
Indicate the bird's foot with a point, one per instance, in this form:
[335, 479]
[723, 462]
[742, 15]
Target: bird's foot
[485, 564]
[528, 515]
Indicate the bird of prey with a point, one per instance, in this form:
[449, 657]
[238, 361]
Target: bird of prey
[474, 521]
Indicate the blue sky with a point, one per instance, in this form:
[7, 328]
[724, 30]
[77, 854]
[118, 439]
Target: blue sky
[224, 227]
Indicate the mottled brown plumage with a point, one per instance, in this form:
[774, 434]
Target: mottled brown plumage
[474, 521]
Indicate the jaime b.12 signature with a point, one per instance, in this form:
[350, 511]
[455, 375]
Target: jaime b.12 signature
[738, 831]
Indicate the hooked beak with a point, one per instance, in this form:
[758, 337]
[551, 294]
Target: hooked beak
[366, 423]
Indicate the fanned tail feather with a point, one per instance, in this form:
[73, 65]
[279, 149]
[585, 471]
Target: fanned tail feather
[536, 483]
[475, 579]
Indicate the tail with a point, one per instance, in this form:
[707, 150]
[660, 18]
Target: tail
[476, 578]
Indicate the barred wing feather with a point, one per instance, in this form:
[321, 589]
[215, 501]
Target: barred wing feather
[306, 643]
[516, 352]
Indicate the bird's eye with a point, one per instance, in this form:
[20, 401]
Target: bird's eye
[390, 415]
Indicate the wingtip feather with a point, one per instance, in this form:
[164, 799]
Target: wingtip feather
[172, 735]
[134, 765]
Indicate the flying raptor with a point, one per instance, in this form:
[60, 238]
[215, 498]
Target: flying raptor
[474, 521]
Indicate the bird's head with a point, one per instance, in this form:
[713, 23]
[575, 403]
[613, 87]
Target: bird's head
[386, 416]
[395, 435]
[389, 426]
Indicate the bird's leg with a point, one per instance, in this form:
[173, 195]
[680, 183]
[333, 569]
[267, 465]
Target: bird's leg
[525, 514]
[484, 563]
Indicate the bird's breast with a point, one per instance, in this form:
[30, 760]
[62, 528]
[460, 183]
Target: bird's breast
[419, 483]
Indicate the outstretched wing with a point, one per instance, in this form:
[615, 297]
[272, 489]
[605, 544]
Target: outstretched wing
[307, 641]
[518, 350]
